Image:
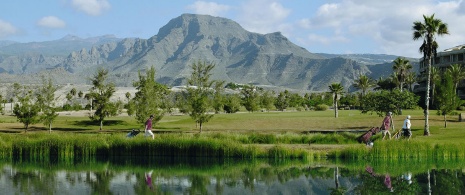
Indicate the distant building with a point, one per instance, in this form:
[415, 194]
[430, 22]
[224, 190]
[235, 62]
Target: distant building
[443, 60]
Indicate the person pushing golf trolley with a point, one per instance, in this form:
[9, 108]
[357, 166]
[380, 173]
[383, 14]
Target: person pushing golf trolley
[148, 127]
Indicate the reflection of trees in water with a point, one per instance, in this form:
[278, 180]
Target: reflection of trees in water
[33, 182]
[442, 182]
[101, 183]
[217, 180]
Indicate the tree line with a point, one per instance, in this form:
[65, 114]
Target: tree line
[204, 97]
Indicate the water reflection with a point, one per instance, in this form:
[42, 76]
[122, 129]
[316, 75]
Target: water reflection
[229, 176]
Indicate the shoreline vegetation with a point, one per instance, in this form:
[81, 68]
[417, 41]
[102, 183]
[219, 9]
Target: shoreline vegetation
[304, 135]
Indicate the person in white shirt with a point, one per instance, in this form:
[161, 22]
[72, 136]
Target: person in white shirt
[406, 127]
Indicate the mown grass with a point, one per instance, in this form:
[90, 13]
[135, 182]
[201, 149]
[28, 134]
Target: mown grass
[244, 135]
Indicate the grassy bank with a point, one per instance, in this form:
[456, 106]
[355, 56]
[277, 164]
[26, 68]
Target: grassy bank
[241, 135]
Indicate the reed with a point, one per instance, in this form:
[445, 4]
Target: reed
[403, 149]
[70, 147]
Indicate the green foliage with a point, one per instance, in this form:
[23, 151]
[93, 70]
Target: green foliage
[388, 101]
[321, 107]
[26, 111]
[199, 91]
[218, 97]
[250, 98]
[46, 101]
[402, 69]
[446, 99]
[232, 103]
[314, 99]
[282, 101]
[267, 99]
[101, 93]
[149, 98]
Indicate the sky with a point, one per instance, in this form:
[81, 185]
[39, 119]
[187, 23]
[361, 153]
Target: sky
[320, 26]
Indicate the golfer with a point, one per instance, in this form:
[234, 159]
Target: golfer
[148, 127]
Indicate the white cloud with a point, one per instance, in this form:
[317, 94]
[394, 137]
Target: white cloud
[91, 7]
[7, 29]
[327, 40]
[51, 22]
[386, 23]
[209, 8]
[263, 16]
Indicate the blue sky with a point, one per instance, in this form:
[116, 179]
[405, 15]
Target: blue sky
[320, 26]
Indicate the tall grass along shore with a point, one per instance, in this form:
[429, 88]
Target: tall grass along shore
[275, 135]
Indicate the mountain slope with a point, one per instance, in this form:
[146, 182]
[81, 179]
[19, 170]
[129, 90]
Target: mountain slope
[240, 56]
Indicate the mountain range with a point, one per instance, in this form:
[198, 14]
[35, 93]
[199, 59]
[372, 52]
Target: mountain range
[240, 56]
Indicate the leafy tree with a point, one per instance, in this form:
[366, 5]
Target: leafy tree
[428, 32]
[250, 98]
[282, 101]
[232, 103]
[389, 101]
[295, 100]
[336, 89]
[26, 111]
[447, 99]
[101, 93]
[199, 91]
[218, 98]
[148, 99]
[267, 100]
[385, 84]
[349, 100]
[402, 67]
[46, 101]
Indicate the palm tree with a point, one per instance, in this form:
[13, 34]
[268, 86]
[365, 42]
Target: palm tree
[336, 89]
[410, 80]
[427, 31]
[457, 72]
[363, 83]
[402, 67]
[435, 76]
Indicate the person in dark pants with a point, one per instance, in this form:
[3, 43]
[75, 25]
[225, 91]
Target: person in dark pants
[406, 127]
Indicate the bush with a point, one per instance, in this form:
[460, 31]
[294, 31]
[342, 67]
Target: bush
[321, 107]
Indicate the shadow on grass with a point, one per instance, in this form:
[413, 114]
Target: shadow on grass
[107, 123]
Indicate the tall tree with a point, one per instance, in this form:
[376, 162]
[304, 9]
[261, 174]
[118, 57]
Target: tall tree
[27, 110]
[199, 91]
[457, 73]
[267, 99]
[336, 89]
[447, 99]
[282, 101]
[410, 80]
[101, 93]
[250, 98]
[402, 67]
[428, 30]
[218, 97]
[363, 83]
[148, 99]
[384, 101]
[46, 100]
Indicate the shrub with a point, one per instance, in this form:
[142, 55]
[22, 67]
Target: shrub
[321, 107]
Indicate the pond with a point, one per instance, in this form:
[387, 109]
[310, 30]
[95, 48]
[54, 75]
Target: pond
[231, 176]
